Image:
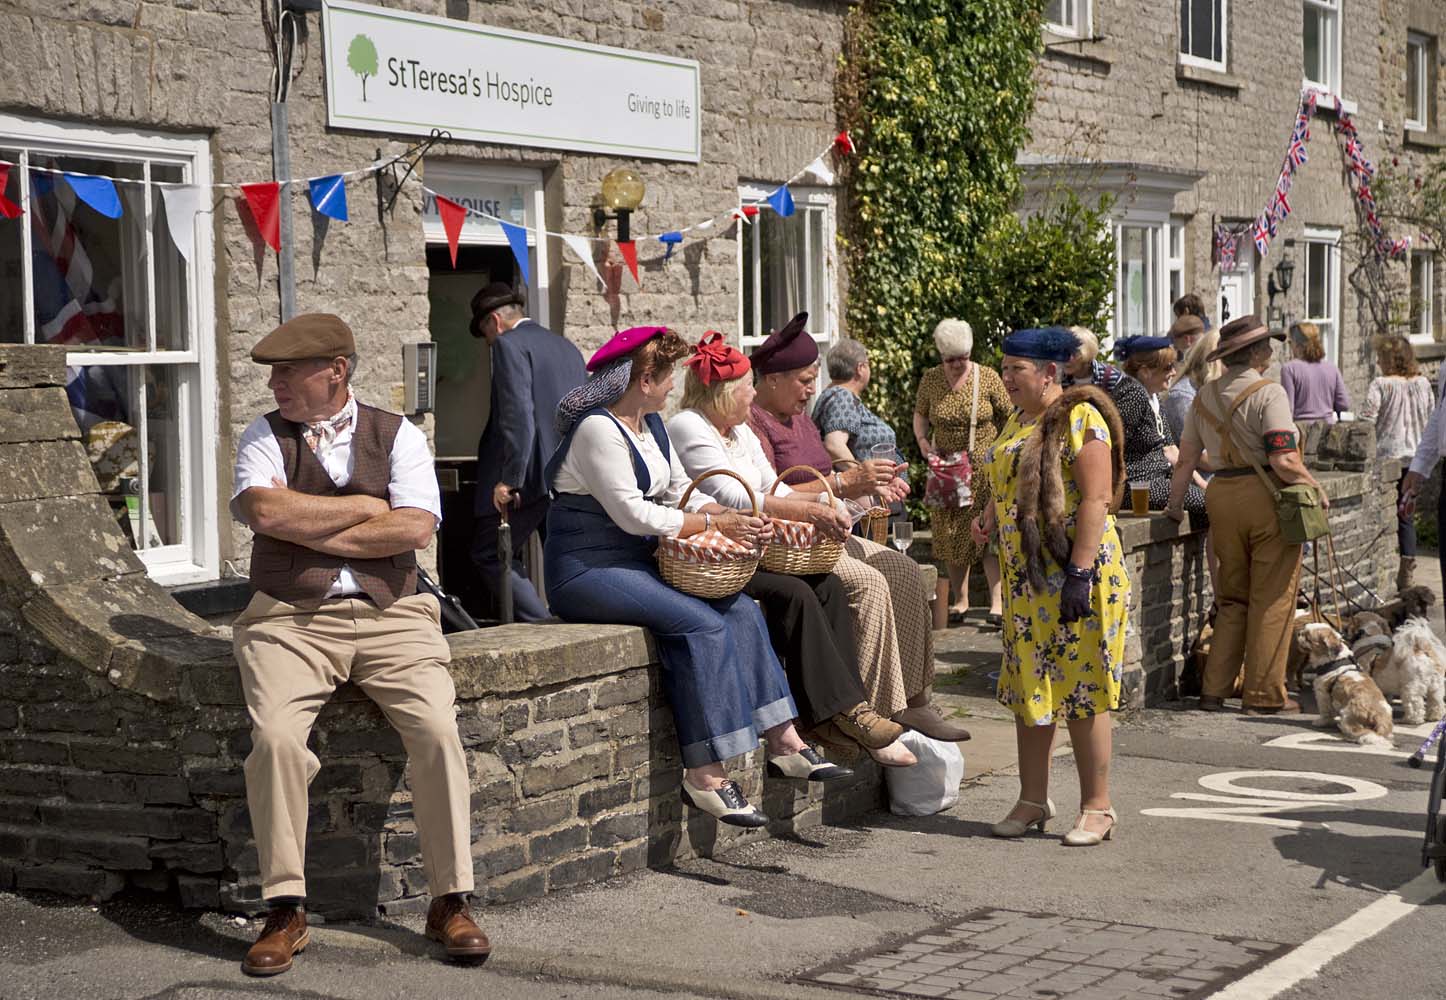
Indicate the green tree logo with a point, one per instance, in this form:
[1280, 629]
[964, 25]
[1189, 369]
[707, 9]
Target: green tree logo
[361, 59]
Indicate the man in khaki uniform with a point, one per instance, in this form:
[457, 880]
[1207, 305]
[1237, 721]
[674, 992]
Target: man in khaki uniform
[340, 496]
[1243, 421]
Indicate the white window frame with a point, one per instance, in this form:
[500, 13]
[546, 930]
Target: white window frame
[1423, 325]
[197, 557]
[1333, 85]
[1157, 277]
[1189, 59]
[1418, 50]
[1330, 323]
[1174, 260]
[825, 328]
[1081, 12]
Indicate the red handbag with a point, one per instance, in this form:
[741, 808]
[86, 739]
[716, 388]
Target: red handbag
[948, 484]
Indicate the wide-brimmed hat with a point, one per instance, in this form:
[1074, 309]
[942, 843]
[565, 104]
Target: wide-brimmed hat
[1240, 333]
[490, 297]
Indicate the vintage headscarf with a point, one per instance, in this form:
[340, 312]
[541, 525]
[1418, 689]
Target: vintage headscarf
[713, 360]
[604, 388]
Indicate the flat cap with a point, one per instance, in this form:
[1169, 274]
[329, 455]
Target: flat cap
[310, 335]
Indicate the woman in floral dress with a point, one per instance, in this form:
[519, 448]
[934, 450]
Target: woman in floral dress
[1066, 588]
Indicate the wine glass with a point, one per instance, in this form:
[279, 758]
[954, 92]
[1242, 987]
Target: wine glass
[903, 535]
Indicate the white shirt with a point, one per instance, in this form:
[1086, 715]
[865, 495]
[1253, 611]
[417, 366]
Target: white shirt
[412, 482]
[1432, 446]
[600, 465]
[703, 449]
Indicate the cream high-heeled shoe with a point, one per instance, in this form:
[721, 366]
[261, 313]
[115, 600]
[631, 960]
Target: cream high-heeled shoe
[1019, 827]
[1080, 837]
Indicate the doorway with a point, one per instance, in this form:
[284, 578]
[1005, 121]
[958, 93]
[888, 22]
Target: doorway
[1237, 290]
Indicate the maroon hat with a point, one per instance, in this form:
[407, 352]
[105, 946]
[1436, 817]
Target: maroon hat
[787, 350]
[622, 343]
[715, 361]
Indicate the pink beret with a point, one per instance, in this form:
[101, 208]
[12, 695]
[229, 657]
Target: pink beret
[787, 350]
[624, 342]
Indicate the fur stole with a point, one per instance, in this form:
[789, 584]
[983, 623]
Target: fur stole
[1040, 496]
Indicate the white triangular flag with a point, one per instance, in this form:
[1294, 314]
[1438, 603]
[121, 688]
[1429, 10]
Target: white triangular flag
[182, 204]
[582, 246]
[819, 172]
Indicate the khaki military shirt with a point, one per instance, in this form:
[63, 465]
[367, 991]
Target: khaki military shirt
[1266, 412]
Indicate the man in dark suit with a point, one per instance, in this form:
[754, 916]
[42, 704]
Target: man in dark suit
[532, 368]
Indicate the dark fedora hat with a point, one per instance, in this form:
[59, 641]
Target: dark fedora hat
[1240, 333]
[493, 296]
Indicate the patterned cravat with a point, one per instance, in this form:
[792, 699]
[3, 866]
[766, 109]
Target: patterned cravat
[322, 435]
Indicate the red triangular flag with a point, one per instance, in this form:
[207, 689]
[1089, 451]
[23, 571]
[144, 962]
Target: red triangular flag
[265, 203]
[629, 250]
[8, 208]
[453, 215]
[844, 143]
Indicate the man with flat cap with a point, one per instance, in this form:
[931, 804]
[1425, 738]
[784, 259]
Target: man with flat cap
[340, 495]
[532, 368]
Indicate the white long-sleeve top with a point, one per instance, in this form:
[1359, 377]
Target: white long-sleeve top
[703, 449]
[600, 465]
[1431, 446]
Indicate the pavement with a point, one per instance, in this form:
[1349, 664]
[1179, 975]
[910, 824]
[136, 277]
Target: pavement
[1256, 858]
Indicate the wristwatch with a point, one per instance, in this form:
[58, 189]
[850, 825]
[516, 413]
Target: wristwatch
[1075, 573]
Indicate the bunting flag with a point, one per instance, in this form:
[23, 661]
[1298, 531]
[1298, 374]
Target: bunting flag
[8, 208]
[264, 200]
[671, 240]
[744, 213]
[182, 204]
[582, 247]
[629, 250]
[97, 192]
[453, 215]
[843, 144]
[517, 240]
[328, 196]
[781, 201]
[820, 171]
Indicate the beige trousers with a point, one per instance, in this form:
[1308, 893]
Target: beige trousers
[291, 660]
[893, 627]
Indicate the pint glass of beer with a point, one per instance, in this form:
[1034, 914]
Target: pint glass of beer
[1139, 498]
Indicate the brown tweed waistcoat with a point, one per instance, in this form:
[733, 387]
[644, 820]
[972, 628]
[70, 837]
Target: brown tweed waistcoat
[299, 575]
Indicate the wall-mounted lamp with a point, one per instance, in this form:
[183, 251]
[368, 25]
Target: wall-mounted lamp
[622, 192]
[1278, 282]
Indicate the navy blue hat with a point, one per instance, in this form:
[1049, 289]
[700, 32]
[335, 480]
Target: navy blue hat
[1050, 343]
[1134, 345]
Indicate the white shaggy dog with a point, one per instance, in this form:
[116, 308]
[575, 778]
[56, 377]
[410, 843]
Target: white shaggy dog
[1415, 672]
[1345, 696]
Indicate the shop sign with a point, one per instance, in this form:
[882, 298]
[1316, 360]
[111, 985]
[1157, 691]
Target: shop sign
[397, 72]
[481, 190]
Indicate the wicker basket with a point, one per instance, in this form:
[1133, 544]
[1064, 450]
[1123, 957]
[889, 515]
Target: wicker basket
[820, 557]
[876, 524]
[710, 580]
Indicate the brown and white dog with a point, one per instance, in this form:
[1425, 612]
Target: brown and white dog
[1345, 696]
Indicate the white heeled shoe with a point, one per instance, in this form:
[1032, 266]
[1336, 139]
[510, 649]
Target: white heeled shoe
[1080, 837]
[1019, 827]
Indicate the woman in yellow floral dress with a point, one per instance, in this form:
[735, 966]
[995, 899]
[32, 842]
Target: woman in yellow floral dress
[1054, 469]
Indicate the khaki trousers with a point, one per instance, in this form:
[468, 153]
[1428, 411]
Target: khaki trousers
[1255, 602]
[291, 660]
[893, 626]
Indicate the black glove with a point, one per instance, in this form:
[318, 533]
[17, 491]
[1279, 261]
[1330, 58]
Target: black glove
[1074, 600]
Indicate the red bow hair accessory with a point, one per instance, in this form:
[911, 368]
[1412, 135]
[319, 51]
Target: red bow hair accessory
[715, 361]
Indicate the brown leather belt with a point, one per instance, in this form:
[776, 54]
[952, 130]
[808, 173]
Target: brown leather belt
[1232, 473]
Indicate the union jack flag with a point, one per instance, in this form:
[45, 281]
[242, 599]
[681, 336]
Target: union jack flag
[1282, 205]
[1295, 153]
[1259, 235]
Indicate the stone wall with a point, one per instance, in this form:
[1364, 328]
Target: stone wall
[124, 729]
[1171, 582]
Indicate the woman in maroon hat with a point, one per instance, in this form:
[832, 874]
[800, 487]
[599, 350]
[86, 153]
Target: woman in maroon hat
[616, 484]
[785, 367]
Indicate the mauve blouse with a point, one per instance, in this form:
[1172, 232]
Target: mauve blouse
[796, 442]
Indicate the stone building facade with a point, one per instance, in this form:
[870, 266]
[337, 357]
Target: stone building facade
[1184, 112]
[184, 89]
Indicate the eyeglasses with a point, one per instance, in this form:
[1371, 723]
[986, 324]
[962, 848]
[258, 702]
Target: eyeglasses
[960, 360]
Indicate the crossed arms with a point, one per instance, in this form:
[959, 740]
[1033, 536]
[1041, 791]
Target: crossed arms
[348, 527]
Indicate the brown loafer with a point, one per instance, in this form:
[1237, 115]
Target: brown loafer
[927, 720]
[1291, 707]
[283, 936]
[867, 728]
[1210, 703]
[450, 921]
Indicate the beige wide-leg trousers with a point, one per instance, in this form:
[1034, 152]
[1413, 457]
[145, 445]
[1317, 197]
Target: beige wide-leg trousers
[291, 660]
[893, 626]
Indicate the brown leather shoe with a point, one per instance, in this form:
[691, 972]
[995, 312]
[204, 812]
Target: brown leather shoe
[450, 922]
[283, 936]
[866, 727]
[1291, 707]
[1210, 703]
[927, 720]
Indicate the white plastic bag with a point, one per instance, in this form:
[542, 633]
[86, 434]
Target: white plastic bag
[930, 786]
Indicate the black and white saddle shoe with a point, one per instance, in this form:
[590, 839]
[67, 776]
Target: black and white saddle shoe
[726, 804]
[806, 764]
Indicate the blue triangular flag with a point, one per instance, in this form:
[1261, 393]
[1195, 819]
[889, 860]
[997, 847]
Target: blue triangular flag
[328, 196]
[782, 201]
[517, 238]
[671, 240]
[97, 192]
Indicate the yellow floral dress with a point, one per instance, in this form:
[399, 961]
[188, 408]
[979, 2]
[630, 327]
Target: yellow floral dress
[1053, 672]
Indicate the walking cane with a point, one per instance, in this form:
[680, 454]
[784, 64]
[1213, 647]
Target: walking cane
[504, 555]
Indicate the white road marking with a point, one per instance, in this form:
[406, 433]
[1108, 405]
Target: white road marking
[1311, 957]
[1334, 743]
[1258, 806]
